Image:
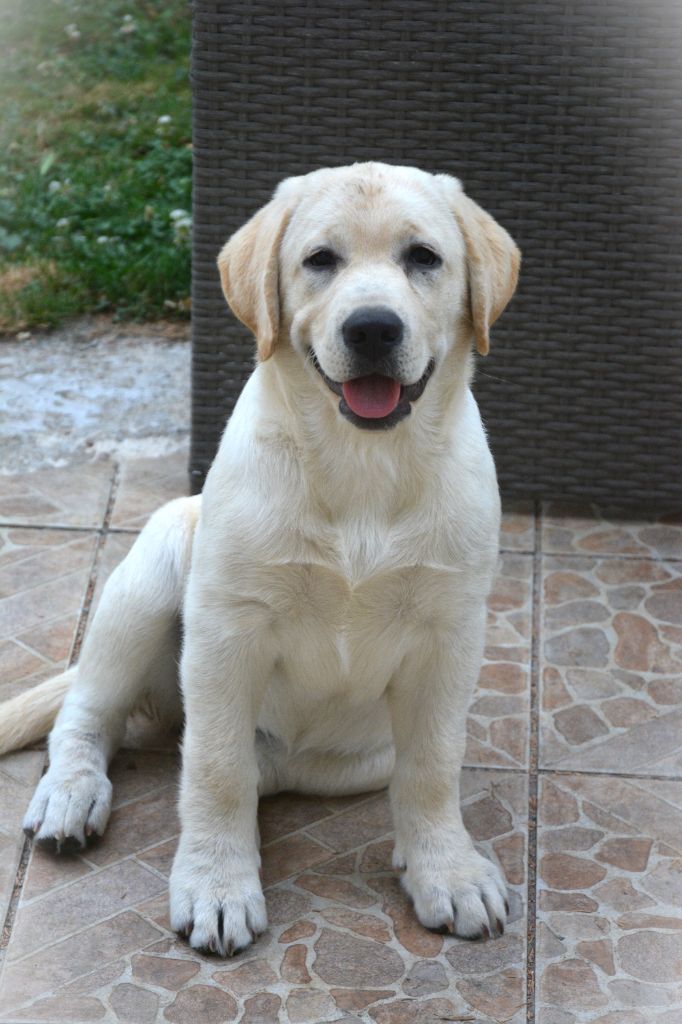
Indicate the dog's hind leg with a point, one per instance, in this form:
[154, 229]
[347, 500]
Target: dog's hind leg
[129, 659]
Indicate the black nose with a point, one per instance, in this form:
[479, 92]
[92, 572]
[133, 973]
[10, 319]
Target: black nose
[373, 331]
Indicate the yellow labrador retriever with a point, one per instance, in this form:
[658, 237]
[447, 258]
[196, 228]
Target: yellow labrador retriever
[331, 581]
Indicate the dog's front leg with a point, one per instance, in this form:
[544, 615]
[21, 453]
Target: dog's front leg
[215, 892]
[452, 886]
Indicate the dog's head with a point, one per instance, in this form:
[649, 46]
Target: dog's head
[373, 274]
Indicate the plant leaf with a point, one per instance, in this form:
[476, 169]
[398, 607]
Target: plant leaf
[47, 162]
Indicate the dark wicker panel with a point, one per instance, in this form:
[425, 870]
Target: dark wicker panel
[563, 119]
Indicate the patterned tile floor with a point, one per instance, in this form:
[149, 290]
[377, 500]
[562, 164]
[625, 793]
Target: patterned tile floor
[573, 783]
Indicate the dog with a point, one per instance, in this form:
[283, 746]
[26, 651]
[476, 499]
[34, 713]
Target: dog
[330, 584]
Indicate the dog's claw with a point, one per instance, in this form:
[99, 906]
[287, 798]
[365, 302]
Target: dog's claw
[59, 845]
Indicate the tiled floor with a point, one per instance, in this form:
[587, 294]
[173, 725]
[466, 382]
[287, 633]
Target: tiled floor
[573, 783]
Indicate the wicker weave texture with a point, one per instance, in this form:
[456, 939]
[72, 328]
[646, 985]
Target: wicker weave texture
[562, 119]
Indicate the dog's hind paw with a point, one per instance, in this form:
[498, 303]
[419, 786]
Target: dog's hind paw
[67, 809]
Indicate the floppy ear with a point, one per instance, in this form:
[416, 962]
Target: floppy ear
[249, 273]
[493, 261]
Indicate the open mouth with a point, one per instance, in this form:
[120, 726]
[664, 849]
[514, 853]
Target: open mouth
[375, 401]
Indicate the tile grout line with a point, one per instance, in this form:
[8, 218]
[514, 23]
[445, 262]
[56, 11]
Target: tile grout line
[595, 773]
[650, 556]
[20, 876]
[26, 647]
[14, 900]
[92, 579]
[531, 961]
[63, 528]
[613, 556]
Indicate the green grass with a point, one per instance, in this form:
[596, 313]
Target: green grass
[89, 175]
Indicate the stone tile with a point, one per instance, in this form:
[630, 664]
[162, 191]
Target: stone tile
[46, 872]
[138, 825]
[68, 552]
[18, 662]
[204, 1003]
[337, 890]
[52, 641]
[39, 605]
[136, 773]
[356, 826]
[43, 581]
[611, 661]
[610, 913]
[288, 856]
[54, 966]
[168, 972]
[134, 1004]
[19, 774]
[575, 528]
[75, 495]
[249, 978]
[22, 766]
[160, 857]
[288, 812]
[361, 924]
[146, 484]
[15, 792]
[262, 1009]
[340, 942]
[60, 893]
[497, 726]
[66, 909]
[358, 999]
[345, 959]
[517, 531]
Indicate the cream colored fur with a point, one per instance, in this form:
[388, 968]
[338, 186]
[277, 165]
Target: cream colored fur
[331, 581]
[29, 716]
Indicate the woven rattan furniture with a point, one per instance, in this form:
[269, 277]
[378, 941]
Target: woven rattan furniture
[561, 118]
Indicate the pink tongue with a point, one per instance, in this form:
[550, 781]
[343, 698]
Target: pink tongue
[372, 397]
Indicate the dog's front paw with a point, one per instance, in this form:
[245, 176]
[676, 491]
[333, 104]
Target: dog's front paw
[465, 896]
[68, 807]
[217, 903]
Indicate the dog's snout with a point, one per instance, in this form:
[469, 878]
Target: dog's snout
[373, 331]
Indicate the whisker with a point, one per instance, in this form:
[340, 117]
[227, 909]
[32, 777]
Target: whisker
[502, 380]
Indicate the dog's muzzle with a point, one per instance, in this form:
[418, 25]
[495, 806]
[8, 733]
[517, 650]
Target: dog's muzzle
[375, 401]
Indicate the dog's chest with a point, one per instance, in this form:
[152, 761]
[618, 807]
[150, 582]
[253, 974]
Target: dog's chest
[338, 636]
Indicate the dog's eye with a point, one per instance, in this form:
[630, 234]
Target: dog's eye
[422, 257]
[323, 259]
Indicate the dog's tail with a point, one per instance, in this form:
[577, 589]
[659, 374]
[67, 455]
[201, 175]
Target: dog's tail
[30, 716]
